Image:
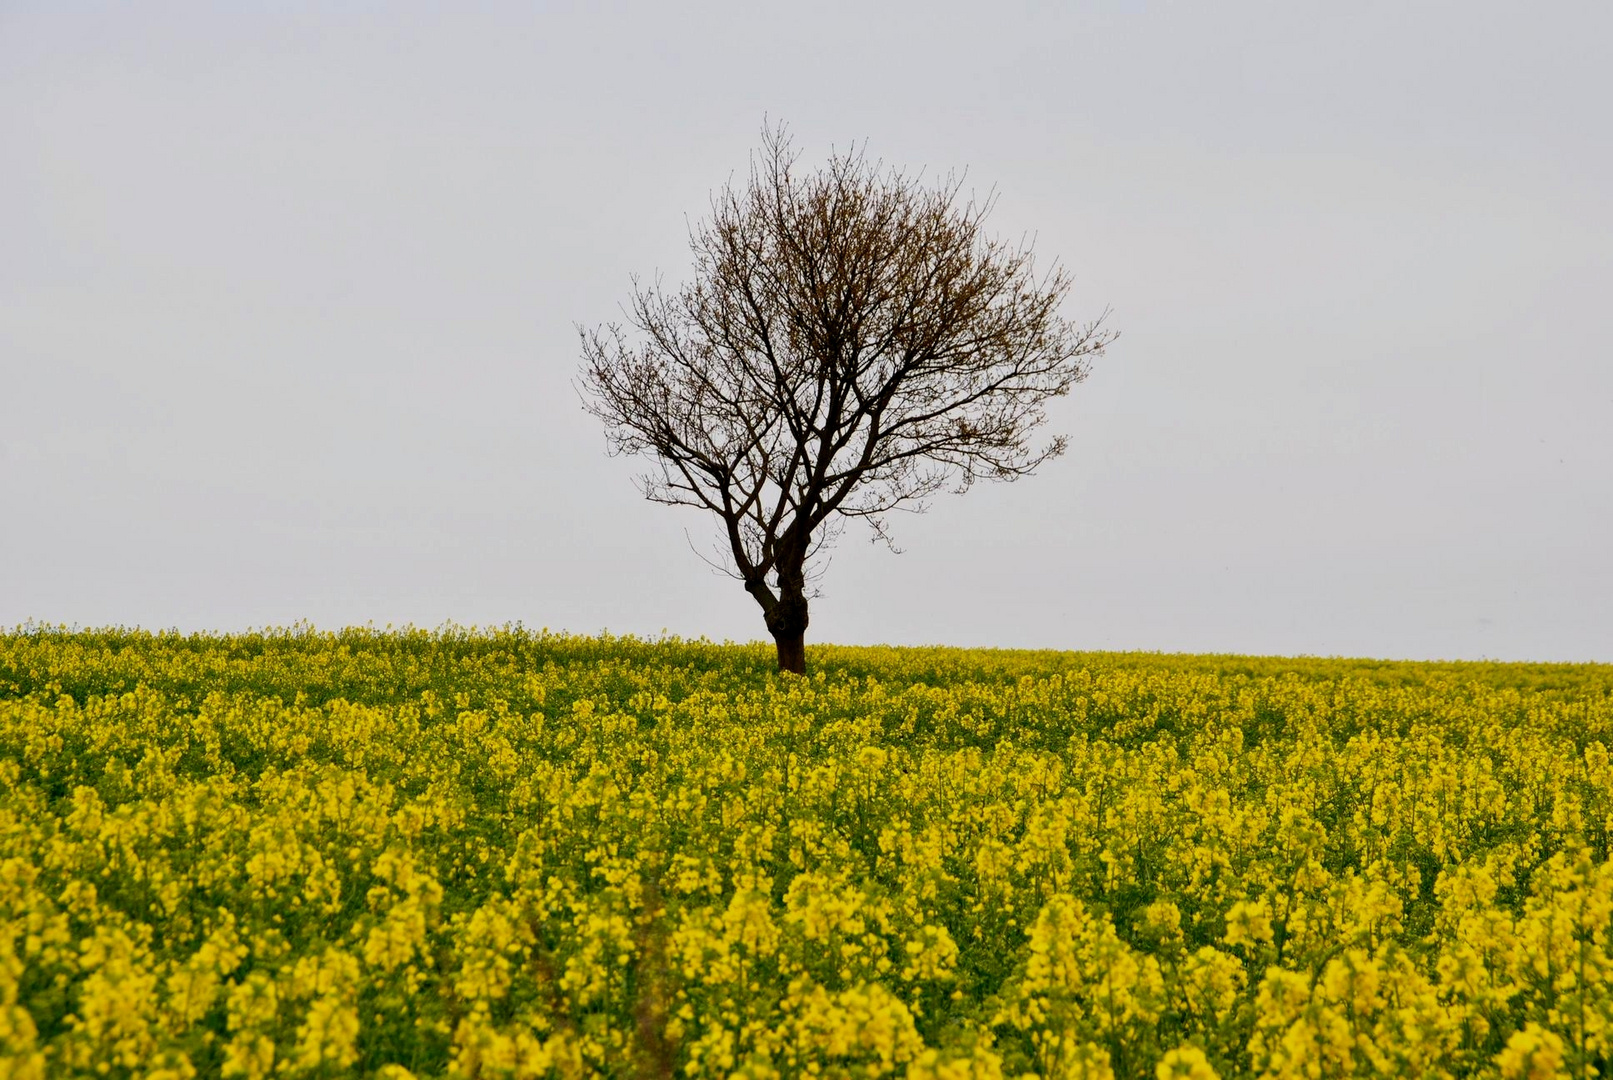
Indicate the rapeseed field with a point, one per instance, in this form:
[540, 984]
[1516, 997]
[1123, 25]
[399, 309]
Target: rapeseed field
[512, 854]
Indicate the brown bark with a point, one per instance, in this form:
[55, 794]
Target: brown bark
[787, 617]
[791, 652]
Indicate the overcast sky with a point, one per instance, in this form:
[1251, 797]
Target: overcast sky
[288, 305]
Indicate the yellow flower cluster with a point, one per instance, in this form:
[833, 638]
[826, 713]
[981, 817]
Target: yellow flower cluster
[504, 854]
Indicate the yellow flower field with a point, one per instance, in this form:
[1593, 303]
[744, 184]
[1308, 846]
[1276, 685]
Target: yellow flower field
[508, 854]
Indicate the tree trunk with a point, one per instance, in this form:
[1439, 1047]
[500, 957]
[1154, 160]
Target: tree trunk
[791, 652]
[787, 622]
[787, 618]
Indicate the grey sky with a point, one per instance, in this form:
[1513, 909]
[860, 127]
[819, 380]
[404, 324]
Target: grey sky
[287, 306]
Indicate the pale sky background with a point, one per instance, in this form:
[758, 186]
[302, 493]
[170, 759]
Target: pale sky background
[287, 306]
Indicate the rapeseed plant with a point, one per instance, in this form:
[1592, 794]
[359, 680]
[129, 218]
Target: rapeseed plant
[505, 854]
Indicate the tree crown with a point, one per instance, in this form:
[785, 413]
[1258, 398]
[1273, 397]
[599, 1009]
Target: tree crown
[850, 343]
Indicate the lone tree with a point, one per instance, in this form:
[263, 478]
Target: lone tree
[850, 344]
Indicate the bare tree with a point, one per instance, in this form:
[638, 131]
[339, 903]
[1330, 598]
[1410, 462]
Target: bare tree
[850, 344]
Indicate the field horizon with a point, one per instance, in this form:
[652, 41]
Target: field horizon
[518, 628]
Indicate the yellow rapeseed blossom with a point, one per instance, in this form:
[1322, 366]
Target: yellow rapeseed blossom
[1249, 924]
[1185, 1063]
[1532, 1054]
[503, 854]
